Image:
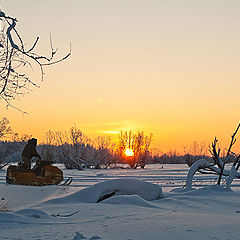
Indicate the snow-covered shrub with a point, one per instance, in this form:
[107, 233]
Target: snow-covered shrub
[217, 165]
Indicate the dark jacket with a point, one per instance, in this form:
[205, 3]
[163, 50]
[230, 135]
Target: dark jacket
[30, 149]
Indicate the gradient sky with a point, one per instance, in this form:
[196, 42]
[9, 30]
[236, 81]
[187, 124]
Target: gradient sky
[170, 68]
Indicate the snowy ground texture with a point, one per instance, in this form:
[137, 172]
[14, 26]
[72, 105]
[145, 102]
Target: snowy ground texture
[146, 204]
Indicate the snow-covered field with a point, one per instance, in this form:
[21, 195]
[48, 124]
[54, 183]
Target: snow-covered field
[156, 207]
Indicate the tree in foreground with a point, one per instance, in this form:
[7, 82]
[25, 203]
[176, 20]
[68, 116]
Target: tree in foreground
[16, 58]
[133, 148]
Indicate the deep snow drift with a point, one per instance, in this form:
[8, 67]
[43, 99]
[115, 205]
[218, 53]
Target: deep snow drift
[103, 190]
[137, 209]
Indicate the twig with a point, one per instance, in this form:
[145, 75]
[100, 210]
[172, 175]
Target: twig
[64, 215]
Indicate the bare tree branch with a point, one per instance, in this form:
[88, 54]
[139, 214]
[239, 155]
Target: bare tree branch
[220, 162]
[14, 59]
[233, 140]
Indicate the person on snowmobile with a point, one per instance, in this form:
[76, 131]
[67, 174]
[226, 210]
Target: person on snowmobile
[29, 152]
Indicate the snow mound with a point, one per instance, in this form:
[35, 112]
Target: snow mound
[33, 213]
[9, 217]
[129, 199]
[100, 191]
[24, 216]
[20, 196]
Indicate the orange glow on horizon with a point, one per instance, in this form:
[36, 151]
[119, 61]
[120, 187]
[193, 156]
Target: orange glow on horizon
[111, 84]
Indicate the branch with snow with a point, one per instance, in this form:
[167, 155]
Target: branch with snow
[203, 166]
[200, 164]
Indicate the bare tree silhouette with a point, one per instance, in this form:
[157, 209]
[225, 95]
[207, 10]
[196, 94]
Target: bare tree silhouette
[138, 144]
[15, 58]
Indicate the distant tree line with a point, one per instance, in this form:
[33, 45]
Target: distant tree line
[76, 151]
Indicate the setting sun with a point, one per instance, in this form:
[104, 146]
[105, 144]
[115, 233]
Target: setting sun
[129, 152]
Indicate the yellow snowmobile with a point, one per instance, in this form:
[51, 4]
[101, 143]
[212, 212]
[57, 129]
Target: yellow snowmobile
[43, 173]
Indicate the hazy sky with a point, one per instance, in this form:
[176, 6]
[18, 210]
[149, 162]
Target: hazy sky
[170, 68]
